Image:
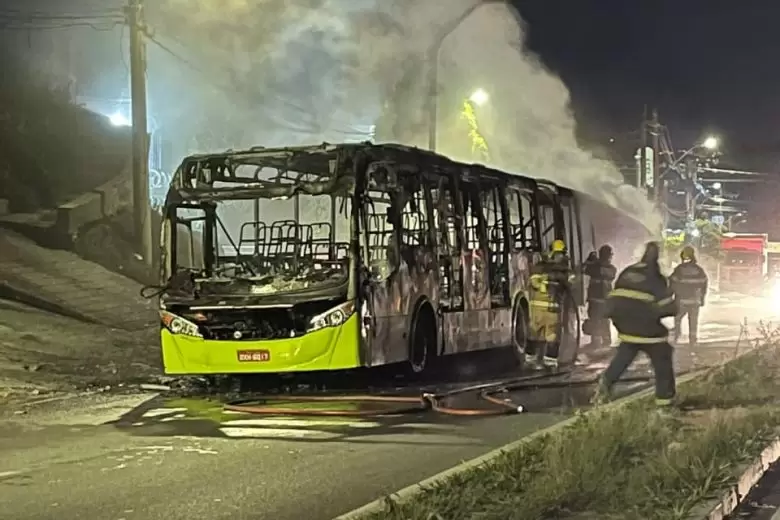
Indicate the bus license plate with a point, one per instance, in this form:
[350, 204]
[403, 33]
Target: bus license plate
[256, 356]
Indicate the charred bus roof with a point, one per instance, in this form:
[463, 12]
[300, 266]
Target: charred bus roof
[315, 169]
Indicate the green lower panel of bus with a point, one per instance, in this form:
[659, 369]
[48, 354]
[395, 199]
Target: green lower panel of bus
[332, 348]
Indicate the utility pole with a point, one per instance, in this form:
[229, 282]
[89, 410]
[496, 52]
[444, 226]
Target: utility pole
[692, 172]
[655, 132]
[141, 211]
[643, 151]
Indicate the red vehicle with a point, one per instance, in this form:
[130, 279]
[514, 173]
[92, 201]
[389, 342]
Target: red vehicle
[744, 264]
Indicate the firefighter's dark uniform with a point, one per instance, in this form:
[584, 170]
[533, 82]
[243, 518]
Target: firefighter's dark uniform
[602, 274]
[549, 289]
[641, 297]
[689, 283]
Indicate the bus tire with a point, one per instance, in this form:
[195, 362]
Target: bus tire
[422, 340]
[519, 331]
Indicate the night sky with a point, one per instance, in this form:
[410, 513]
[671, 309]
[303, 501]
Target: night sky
[706, 65]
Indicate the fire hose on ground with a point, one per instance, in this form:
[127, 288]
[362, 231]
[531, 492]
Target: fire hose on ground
[427, 401]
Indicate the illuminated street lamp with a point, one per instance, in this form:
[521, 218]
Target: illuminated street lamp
[433, 66]
[717, 186]
[479, 97]
[711, 143]
[118, 119]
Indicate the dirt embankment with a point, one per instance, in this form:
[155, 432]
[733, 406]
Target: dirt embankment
[50, 149]
[42, 353]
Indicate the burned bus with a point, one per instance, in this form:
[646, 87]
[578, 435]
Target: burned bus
[337, 257]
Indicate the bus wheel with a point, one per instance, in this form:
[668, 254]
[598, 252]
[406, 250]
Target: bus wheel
[422, 341]
[519, 333]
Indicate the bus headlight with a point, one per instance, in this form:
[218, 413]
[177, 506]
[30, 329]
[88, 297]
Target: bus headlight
[332, 318]
[178, 325]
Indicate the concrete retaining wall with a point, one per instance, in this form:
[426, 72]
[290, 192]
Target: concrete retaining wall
[104, 201]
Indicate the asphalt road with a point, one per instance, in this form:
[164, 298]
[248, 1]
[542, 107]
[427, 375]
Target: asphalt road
[185, 458]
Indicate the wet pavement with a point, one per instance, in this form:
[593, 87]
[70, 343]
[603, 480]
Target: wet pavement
[179, 458]
[171, 457]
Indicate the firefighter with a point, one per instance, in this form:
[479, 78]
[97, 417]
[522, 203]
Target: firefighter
[550, 288]
[689, 283]
[640, 299]
[602, 274]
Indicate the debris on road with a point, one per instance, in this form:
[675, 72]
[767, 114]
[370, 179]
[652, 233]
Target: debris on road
[154, 388]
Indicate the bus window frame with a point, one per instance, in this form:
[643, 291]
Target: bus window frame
[449, 183]
[475, 209]
[515, 195]
[392, 216]
[496, 191]
[209, 245]
[558, 225]
[568, 203]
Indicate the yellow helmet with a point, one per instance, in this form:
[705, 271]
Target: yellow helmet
[687, 253]
[558, 247]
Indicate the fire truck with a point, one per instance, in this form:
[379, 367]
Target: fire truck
[744, 264]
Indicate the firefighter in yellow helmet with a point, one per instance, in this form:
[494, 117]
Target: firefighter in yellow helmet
[548, 292]
[689, 283]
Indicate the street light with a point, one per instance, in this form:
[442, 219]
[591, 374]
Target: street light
[479, 97]
[118, 119]
[711, 143]
[433, 67]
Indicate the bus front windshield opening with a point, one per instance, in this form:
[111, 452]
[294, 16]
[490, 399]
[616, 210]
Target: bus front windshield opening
[270, 245]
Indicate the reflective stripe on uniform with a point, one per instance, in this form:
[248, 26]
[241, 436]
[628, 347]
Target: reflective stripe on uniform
[664, 402]
[641, 339]
[543, 303]
[632, 295]
[641, 296]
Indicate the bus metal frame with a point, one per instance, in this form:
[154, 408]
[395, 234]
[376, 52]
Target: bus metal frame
[444, 270]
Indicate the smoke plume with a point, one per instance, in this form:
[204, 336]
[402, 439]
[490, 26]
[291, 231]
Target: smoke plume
[311, 70]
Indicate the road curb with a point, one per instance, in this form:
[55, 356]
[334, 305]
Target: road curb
[733, 497]
[408, 492]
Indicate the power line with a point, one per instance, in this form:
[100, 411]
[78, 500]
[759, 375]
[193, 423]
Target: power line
[104, 26]
[108, 20]
[196, 68]
[57, 17]
[15, 19]
[225, 86]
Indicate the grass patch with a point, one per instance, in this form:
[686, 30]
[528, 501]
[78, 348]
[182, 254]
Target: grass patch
[631, 463]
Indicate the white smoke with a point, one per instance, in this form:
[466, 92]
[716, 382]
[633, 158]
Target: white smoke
[313, 70]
